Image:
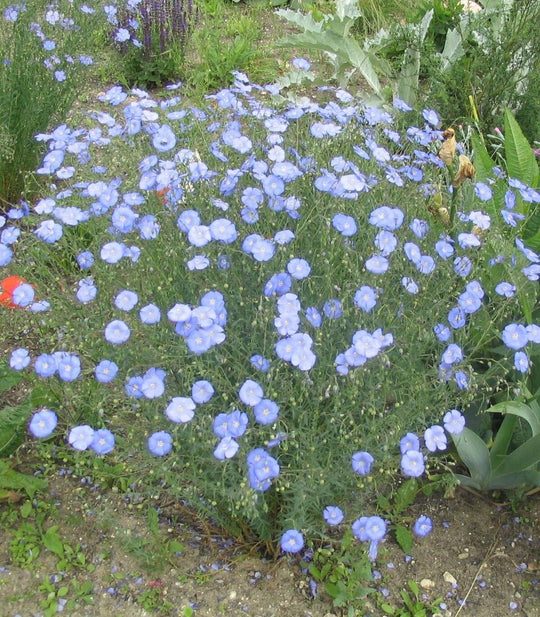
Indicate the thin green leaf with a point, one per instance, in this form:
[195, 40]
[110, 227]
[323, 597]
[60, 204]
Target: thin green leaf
[467, 481]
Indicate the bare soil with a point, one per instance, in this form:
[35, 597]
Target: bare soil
[481, 560]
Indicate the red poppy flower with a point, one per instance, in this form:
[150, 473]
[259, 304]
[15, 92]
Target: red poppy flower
[8, 286]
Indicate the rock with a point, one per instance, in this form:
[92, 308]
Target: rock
[427, 583]
[449, 578]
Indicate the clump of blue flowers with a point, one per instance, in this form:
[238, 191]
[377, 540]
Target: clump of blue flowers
[266, 308]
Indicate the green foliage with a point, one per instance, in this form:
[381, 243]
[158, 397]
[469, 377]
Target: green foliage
[152, 70]
[153, 552]
[63, 594]
[219, 54]
[332, 36]
[490, 62]
[515, 155]
[15, 481]
[504, 465]
[31, 99]
[446, 17]
[413, 605]
[345, 572]
[13, 418]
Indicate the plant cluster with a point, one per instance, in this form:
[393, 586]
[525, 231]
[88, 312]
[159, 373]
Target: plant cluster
[151, 36]
[37, 94]
[469, 64]
[250, 299]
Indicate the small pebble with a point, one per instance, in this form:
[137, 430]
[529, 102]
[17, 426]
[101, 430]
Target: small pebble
[449, 578]
[427, 583]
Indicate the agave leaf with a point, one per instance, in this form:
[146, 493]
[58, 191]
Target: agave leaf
[526, 478]
[519, 409]
[467, 481]
[522, 458]
[502, 440]
[407, 85]
[475, 455]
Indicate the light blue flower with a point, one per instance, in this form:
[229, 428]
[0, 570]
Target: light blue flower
[361, 462]
[117, 332]
[454, 422]
[422, 526]
[103, 441]
[80, 437]
[43, 423]
[333, 515]
[292, 541]
[164, 138]
[160, 443]
[515, 336]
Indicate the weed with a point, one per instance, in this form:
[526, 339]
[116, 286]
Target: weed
[414, 606]
[344, 572]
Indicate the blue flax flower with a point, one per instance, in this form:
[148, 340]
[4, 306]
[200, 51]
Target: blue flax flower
[333, 309]
[103, 441]
[454, 422]
[266, 411]
[423, 526]
[160, 443]
[409, 442]
[68, 366]
[80, 437]
[435, 438]
[412, 463]
[365, 298]
[43, 423]
[333, 515]
[359, 528]
[292, 541]
[375, 531]
[515, 336]
[345, 224]
[202, 391]
[45, 365]
[521, 361]
[251, 393]
[298, 268]
[117, 332]
[377, 264]
[361, 462]
[106, 371]
[226, 448]
[260, 363]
